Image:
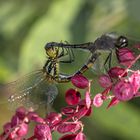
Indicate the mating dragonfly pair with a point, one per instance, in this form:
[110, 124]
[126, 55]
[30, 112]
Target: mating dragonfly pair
[39, 87]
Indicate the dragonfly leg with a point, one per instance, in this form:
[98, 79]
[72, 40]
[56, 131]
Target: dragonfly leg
[71, 56]
[62, 53]
[56, 69]
[108, 60]
[46, 66]
[70, 52]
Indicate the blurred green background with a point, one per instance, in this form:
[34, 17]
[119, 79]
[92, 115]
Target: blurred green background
[26, 26]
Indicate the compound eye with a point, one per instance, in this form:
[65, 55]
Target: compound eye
[48, 46]
[122, 42]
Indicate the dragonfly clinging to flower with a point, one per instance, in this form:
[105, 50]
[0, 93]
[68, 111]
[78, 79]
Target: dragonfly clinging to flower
[107, 42]
[40, 84]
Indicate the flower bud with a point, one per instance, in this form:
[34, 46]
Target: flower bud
[72, 97]
[125, 56]
[105, 81]
[115, 72]
[80, 81]
[98, 101]
[123, 90]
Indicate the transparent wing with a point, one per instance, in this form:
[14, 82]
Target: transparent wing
[30, 91]
[106, 60]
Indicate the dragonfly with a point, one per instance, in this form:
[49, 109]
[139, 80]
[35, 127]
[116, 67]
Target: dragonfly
[38, 87]
[41, 84]
[109, 42]
[106, 42]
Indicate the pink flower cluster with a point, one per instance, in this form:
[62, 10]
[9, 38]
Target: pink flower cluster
[120, 84]
[67, 122]
[123, 82]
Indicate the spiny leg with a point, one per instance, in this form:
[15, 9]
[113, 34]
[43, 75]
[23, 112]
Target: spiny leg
[71, 56]
[56, 69]
[63, 52]
[47, 64]
[108, 60]
[68, 52]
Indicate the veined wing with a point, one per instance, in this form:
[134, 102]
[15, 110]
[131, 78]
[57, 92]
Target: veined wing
[30, 90]
[104, 61]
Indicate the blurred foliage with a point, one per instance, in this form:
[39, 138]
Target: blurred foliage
[26, 26]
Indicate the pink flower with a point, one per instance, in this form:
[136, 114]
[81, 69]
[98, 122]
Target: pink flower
[113, 102]
[98, 101]
[35, 117]
[72, 127]
[21, 112]
[79, 136]
[87, 99]
[7, 127]
[13, 136]
[89, 111]
[72, 97]
[15, 121]
[105, 81]
[82, 111]
[115, 72]
[123, 90]
[53, 118]
[125, 56]
[16, 132]
[42, 132]
[134, 79]
[69, 110]
[23, 130]
[68, 137]
[80, 81]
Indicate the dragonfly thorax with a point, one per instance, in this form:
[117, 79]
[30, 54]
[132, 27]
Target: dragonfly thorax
[109, 41]
[119, 41]
[103, 43]
[51, 67]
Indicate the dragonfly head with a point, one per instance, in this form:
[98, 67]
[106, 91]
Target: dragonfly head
[119, 40]
[51, 50]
